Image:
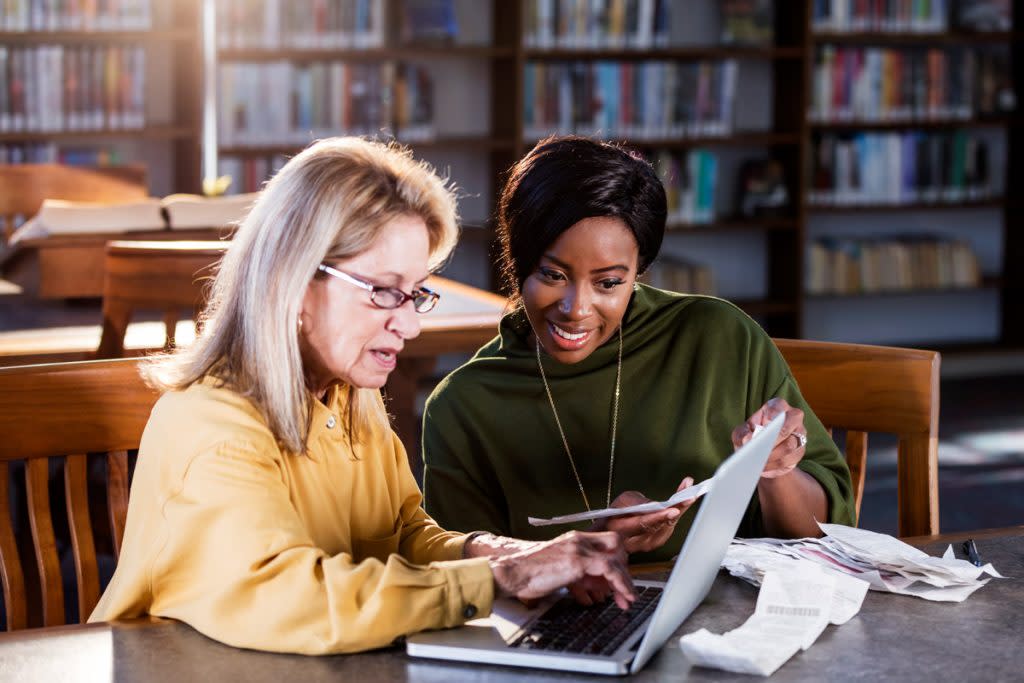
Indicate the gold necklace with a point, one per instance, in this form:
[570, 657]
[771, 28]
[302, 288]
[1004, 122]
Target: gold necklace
[561, 432]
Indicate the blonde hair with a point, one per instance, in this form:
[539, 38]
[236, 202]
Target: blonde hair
[328, 202]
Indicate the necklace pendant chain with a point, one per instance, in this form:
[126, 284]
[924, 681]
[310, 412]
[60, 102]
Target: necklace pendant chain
[614, 427]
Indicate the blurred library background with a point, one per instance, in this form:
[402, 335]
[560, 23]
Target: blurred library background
[842, 170]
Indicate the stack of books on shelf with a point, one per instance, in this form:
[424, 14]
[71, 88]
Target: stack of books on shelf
[690, 179]
[271, 24]
[903, 263]
[414, 104]
[678, 275]
[903, 84]
[50, 153]
[900, 168]
[285, 103]
[53, 88]
[887, 16]
[583, 24]
[52, 15]
[748, 22]
[638, 100]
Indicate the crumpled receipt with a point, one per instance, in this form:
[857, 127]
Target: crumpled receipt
[695, 491]
[793, 608]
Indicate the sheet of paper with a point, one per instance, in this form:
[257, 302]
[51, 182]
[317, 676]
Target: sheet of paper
[793, 608]
[691, 493]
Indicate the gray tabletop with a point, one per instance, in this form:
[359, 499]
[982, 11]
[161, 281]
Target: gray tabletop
[893, 638]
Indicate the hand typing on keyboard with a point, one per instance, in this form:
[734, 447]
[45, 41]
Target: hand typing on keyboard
[545, 567]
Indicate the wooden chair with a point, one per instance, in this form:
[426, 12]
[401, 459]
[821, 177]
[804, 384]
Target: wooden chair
[168, 276]
[23, 187]
[64, 411]
[878, 389]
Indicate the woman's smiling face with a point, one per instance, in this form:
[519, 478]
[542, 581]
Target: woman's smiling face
[577, 295]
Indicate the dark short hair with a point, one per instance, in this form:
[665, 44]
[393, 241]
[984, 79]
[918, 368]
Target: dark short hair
[563, 180]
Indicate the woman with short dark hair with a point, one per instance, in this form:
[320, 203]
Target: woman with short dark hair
[598, 387]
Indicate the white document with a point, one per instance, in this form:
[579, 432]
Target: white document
[695, 491]
[793, 608]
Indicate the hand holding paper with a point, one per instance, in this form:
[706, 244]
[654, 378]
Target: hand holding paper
[691, 493]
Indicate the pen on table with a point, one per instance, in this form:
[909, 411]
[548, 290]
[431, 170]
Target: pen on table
[972, 552]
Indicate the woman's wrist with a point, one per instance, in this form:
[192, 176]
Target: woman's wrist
[485, 544]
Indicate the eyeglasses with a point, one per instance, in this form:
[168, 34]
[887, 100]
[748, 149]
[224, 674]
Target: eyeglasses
[423, 299]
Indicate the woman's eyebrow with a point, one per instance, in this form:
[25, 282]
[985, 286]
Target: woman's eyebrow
[604, 269]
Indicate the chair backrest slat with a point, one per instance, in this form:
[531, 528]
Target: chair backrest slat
[856, 458]
[10, 561]
[881, 389]
[65, 410]
[117, 496]
[76, 493]
[37, 479]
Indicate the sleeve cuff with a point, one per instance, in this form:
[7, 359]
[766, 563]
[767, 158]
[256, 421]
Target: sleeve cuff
[470, 590]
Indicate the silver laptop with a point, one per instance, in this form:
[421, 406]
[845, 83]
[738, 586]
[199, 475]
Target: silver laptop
[560, 634]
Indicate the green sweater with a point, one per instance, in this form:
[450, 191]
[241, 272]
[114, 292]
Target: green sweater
[693, 369]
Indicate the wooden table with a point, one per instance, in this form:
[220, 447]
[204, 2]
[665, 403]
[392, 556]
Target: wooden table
[894, 638]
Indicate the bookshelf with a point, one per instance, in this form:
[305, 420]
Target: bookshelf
[143, 109]
[761, 262]
[963, 106]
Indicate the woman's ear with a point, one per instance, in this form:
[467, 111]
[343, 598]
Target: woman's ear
[304, 319]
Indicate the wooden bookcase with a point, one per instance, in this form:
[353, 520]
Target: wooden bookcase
[168, 143]
[1000, 283]
[478, 155]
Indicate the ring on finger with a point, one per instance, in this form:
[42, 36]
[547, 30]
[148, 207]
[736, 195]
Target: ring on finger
[801, 439]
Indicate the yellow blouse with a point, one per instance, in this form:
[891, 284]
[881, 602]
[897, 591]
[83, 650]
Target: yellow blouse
[258, 548]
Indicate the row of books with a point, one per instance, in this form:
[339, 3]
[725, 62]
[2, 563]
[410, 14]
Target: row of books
[284, 103]
[911, 16]
[889, 84]
[249, 173]
[51, 153]
[70, 15]
[890, 264]
[325, 98]
[900, 168]
[596, 24]
[690, 179]
[53, 88]
[678, 275]
[284, 23]
[887, 16]
[650, 99]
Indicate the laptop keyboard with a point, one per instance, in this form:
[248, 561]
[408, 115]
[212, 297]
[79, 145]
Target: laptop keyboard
[601, 629]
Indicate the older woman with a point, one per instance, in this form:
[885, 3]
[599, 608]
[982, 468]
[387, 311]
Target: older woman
[272, 506]
[597, 384]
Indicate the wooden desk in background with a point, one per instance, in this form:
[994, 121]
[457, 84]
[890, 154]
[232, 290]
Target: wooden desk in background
[71, 266]
[894, 638]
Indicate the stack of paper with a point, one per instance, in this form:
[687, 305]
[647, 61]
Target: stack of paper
[793, 608]
[886, 563]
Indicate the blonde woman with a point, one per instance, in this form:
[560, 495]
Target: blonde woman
[272, 506]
